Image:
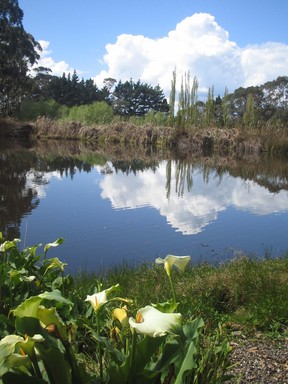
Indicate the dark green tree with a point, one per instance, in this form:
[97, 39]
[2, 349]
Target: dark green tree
[136, 99]
[69, 90]
[18, 51]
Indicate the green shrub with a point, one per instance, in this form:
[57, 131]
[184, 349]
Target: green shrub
[91, 114]
[31, 110]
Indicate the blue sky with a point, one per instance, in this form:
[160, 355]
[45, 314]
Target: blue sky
[221, 42]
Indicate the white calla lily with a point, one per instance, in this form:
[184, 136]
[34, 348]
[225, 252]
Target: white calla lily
[100, 298]
[151, 322]
[180, 262]
[97, 300]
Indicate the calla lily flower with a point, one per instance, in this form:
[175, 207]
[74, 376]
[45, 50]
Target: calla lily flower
[100, 298]
[179, 261]
[97, 300]
[151, 322]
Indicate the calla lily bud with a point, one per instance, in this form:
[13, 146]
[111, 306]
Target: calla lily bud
[121, 315]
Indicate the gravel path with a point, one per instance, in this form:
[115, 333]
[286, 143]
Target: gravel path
[260, 361]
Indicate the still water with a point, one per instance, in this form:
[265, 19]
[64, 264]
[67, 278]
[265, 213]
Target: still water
[111, 211]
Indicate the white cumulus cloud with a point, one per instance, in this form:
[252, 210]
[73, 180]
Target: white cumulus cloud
[197, 44]
[264, 62]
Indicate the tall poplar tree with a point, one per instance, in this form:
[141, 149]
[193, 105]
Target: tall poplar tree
[249, 117]
[172, 97]
[225, 107]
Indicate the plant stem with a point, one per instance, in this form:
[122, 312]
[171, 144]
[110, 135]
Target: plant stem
[99, 347]
[132, 358]
[76, 376]
[35, 365]
[172, 288]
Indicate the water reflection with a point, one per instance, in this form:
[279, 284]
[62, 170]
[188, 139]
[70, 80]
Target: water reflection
[23, 177]
[194, 195]
[184, 202]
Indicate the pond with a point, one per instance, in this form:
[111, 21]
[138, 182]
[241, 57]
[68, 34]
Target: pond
[114, 209]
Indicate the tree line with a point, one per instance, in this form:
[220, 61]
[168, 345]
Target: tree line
[43, 94]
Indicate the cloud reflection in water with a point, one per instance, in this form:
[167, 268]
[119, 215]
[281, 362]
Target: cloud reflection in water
[199, 205]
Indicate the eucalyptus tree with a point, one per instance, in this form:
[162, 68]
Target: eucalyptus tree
[18, 51]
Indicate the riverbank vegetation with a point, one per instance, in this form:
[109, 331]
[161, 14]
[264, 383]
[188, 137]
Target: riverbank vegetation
[103, 327]
[142, 116]
[47, 106]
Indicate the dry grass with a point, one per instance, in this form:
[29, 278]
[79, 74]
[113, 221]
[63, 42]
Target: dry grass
[227, 141]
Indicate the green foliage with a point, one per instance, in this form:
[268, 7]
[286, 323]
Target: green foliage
[17, 53]
[31, 110]
[249, 117]
[188, 97]
[172, 98]
[24, 273]
[137, 99]
[66, 90]
[250, 107]
[96, 113]
[47, 327]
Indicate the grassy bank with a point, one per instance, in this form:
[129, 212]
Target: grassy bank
[125, 325]
[183, 140]
[246, 293]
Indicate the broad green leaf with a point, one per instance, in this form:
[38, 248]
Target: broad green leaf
[29, 326]
[171, 351]
[56, 364]
[188, 363]
[167, 307]
[191, 328]
[50, 316]
[29, 308]
[14, 378]
[145, 349]
[57, 296]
